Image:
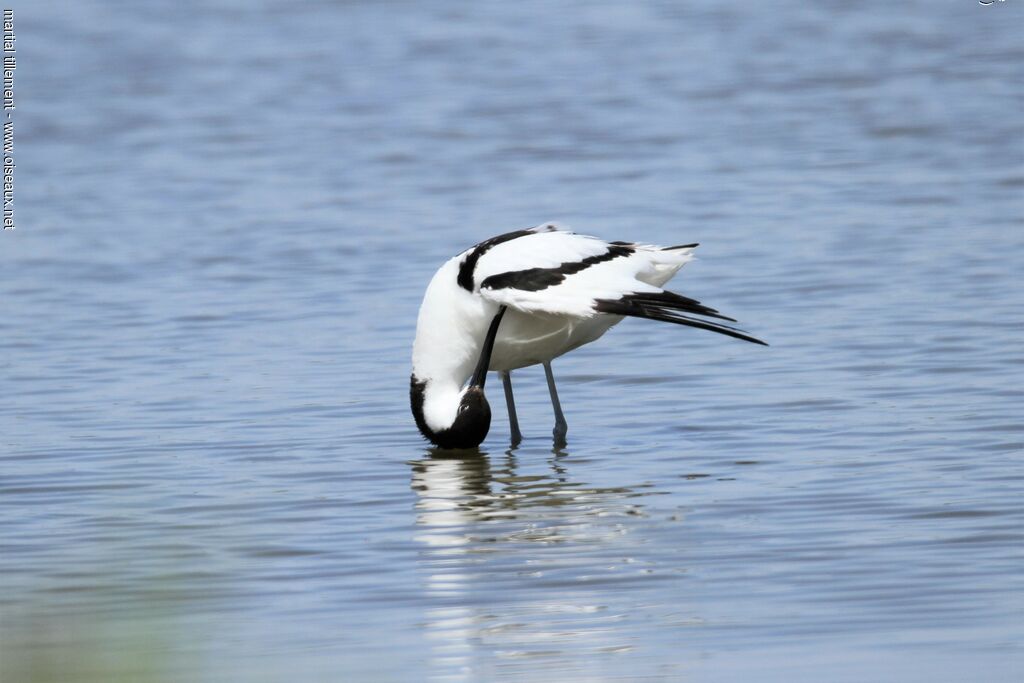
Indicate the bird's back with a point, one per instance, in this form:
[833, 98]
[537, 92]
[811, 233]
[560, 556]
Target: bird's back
[551, 279]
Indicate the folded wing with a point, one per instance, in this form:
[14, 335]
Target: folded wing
[548, 270]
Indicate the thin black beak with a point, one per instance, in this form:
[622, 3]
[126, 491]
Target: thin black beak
[480, 374]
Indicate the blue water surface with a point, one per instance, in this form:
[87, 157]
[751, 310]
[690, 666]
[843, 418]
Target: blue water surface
[227, 214]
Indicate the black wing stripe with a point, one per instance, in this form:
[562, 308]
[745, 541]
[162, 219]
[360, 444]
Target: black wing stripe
[536, 279]
[467, 267]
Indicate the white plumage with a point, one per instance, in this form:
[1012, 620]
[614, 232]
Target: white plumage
[554, 291]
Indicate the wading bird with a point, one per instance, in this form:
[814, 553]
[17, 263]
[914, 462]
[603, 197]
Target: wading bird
[527, 297]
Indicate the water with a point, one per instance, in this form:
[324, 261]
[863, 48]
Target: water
[227, 216]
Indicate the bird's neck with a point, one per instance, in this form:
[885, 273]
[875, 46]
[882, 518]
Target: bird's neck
[450, 330]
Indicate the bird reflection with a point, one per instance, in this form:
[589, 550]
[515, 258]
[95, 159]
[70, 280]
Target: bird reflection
[498, 542]
[457, 487]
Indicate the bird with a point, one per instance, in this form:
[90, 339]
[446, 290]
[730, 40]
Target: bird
[524, 298]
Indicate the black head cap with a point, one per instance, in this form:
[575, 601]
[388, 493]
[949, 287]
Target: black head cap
[472, 422]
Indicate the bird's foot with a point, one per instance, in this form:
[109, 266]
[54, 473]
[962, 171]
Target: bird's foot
[559, 432]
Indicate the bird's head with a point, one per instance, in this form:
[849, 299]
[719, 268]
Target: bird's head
[450, 419]
[450, 415]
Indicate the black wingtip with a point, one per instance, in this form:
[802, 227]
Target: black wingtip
[675, 302]
[681, 246]
[669, 307]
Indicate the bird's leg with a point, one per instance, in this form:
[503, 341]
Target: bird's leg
[561, 427]
[513, 421]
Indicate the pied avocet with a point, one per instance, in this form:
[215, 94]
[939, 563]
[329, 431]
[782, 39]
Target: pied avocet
[527, 297]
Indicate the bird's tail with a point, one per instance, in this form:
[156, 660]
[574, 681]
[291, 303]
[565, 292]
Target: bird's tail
[670, 307]
[660, 264]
